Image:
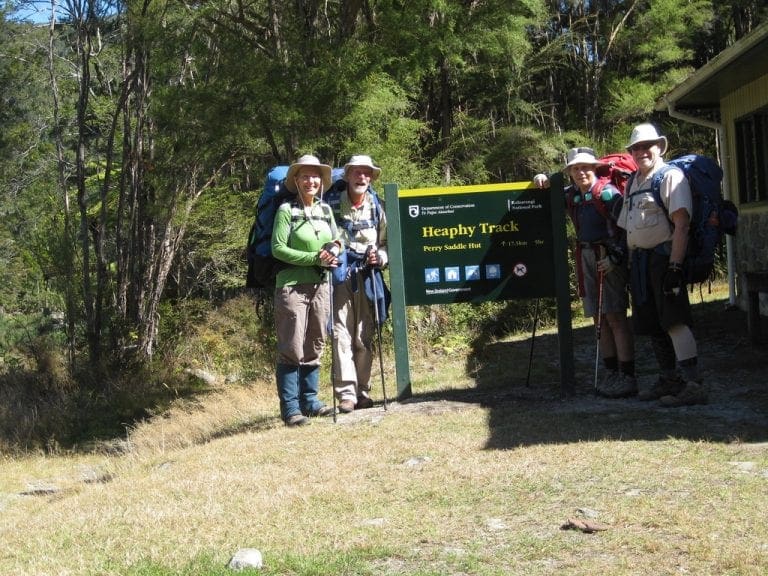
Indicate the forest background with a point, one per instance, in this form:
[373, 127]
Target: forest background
[135, 136]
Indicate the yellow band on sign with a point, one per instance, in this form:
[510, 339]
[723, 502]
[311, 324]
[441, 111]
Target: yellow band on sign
[442, 191]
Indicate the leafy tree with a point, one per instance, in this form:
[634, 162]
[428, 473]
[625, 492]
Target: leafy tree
[24, 173]
[135, 135]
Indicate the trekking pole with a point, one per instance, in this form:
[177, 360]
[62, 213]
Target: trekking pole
[600, 278]
[533, 338]
[378, 323]
[332, 334]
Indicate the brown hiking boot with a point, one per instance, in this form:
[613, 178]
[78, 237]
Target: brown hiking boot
[664, 386]
[693, 393]
[346, 406]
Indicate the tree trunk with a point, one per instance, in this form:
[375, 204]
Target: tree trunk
[69, 264]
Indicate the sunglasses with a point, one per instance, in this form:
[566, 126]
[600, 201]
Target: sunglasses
[642, 146]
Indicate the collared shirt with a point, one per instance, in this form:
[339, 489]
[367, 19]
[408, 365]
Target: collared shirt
[362, 232]
[647, 224]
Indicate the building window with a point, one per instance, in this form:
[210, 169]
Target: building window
[752, 156]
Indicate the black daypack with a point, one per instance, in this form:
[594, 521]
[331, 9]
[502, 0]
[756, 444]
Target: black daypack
[711, 218]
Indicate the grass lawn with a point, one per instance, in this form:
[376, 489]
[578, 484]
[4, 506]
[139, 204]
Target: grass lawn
[475, 474]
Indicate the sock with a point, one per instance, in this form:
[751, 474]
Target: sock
[689, 369]
[611, 363]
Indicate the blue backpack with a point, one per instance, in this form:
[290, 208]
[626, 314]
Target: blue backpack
[262, 266]
[712, 216]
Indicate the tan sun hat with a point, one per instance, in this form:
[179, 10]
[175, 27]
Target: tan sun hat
[647, 133]
[307, 160]
[582, 156]
[362, 160]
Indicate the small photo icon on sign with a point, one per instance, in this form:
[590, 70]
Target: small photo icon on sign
[492, 271]
[431, 274]
[472, 272]
[452, 274]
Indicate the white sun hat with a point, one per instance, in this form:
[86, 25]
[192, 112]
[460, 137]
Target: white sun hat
[582, 156]
[307, 160]
[647, 133]
[362, 160]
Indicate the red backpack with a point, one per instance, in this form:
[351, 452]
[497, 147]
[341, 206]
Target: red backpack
[617, 170]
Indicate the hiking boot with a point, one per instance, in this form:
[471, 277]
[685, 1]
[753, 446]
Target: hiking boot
[693, 393]
[296, 420]
[322, 411]
[346, 406]
[664, 386]
[363, 402]
[622, 386]
[607, 382]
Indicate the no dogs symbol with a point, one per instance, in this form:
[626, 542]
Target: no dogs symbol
[520, 270]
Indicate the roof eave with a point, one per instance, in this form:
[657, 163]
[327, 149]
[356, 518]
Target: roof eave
[704, 89]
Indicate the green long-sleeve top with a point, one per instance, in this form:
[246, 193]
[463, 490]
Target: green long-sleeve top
[297, 236]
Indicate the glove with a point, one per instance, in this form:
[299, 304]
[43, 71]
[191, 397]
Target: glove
[617, 254]
[605, 265]
[541, 181]
[673, 280]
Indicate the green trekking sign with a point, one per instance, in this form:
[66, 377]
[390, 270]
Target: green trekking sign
[476, 243]
[488, 242]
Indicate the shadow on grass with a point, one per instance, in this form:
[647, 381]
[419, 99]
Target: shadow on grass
[532, 410]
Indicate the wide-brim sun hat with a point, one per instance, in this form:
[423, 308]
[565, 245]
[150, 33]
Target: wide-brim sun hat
[307, 160]
[582, 156]
[647, 133]
[362, 160]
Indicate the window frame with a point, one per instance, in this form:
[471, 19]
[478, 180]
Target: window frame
[752, 156]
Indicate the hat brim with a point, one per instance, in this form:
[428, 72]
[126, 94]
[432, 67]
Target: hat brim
[661, 141]
[583, 158]
[595, 164]
[375, 170]
[290, 177]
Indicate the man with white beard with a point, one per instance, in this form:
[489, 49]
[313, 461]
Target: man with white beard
[363, 226]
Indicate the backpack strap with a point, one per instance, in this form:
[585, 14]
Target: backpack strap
[333, 199]
[575, 198]
[597, 198]
[298, 214]
[656, 186]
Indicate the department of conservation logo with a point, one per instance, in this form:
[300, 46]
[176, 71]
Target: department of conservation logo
[413, 211]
